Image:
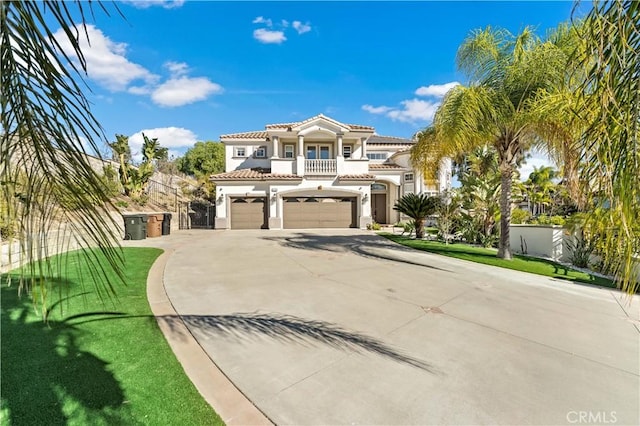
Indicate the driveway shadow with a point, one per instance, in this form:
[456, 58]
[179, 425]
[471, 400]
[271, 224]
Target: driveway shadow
[368, 246]
[291, 329]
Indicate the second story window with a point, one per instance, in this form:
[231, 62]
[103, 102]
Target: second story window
[260, 152]
[408, 177]
[346, 151]
[288, 151]
[239, 151]
[377, 155]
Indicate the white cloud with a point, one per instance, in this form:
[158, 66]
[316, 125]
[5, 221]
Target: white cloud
[106, 60]
[415, 110]
[140, 90]
[412, 111]
[178, 91]
[108, 66]
[144, 4]
[300, 27]
[275, 33]
[262, 20]
[436, 90]
[168, 137]
[376, 110]
[176, 68]
[269, 37]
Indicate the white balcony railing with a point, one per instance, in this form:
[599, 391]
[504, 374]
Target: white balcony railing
[320, 167]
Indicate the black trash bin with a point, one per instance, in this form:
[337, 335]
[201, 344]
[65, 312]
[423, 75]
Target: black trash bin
[166, 224]
[135, 226]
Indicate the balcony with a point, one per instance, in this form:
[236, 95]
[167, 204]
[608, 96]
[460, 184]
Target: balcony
[328, 167]
[320, 167]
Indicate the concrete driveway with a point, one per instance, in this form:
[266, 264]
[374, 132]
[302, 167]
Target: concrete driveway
[345, 327]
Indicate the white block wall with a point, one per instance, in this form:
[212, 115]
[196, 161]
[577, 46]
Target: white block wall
[56, 241]
[537, 240]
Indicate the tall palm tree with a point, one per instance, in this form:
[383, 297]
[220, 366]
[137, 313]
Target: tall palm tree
[505, 74]
[45, 119]
[417, 207]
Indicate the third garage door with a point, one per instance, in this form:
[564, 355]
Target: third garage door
[319, 212]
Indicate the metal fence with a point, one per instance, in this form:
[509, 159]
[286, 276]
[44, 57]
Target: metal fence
[163, 195]
[197, 215]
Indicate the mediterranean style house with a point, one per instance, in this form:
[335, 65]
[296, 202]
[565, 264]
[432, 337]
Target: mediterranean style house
[316, 173]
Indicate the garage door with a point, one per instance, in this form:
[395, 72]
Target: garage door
[248, 213]
[319, 212]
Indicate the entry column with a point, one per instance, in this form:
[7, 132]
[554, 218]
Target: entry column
[300, 157]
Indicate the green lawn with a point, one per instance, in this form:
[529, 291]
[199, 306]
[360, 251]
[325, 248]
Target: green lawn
[104, 369]
[488, 257]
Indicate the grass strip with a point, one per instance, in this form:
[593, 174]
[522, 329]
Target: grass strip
[487, 256]
[93, 362]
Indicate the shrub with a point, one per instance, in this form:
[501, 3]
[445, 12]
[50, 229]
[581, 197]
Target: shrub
[519, 216]
[549, 220]
[580, 250]
[373, 226]
[111, 182]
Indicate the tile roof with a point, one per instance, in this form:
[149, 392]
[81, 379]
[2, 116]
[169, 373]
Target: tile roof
[392, 140]
[297, 123]
[357, 177]
[405, 149]
[281, 125]
[256, 173]
[385, 166]
[260, 134]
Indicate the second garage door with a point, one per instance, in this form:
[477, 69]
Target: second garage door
[319, 212]
[248, 213]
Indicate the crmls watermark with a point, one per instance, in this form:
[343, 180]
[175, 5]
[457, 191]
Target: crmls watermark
[592, 417]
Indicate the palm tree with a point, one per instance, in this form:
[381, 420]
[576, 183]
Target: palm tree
[417, 207]
[46, 178]
[539, 188]
[506, 72]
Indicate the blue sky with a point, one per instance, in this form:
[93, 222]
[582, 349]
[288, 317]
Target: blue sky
[188, 71]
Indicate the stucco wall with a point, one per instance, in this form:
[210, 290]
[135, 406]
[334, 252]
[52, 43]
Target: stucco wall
[59, 240]
[537, 240]
[275, 192]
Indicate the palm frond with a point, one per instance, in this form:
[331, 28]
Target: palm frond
[45, 119]
[610, 147]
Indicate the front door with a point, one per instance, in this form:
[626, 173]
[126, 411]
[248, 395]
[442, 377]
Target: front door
[379, 207]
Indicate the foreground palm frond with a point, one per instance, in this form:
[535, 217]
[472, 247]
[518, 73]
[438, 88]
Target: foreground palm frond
[609, 148]
[47, 183]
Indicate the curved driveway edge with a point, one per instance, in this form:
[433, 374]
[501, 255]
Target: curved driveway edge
[345, 327]
[230, 404]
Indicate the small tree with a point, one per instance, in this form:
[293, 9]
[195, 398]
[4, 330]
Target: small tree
[447, 209]
[417, 207]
